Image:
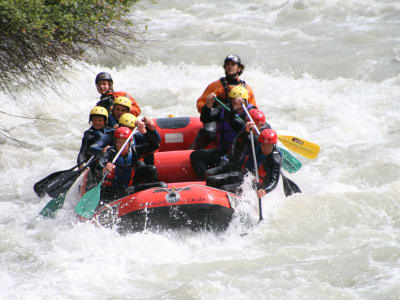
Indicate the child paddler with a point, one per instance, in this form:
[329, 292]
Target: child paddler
[122, 175]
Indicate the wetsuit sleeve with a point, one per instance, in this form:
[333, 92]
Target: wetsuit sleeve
[86, 141]
[274, 172]
[152, 144]
[107, 157]
[100, 144]
[215, 87]
[209, 115]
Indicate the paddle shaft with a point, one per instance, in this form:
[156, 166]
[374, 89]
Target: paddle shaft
[256, 171]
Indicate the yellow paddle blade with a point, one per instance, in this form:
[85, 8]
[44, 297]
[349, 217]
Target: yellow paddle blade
[300, 146]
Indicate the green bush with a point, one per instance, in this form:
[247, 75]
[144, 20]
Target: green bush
[41, 38]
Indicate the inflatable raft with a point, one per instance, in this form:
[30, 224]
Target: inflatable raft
[184, 202]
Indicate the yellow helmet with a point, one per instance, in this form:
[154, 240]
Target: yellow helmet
[239, 91]
[127, 120]
[98, 111]
[123, 101]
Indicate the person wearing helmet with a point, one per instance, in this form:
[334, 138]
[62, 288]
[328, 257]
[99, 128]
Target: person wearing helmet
[130, 121]
[122, 174]
[233, 69]
[105, 87]
[228, 122]
[94, 140]
[96, 137]
[122, 105]
[269, 162]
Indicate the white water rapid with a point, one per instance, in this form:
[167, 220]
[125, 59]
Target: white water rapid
[324, 70]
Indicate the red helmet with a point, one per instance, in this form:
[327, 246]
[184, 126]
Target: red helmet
[122, 133]
[257, 115]
[268, 136]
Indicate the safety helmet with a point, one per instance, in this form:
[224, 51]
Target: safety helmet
[257, 115]
[98, 111]
[128, 120]
[268, 136]
[123, 101]
[122, 133]
[239, 91]
[234, 58]
[103, 76]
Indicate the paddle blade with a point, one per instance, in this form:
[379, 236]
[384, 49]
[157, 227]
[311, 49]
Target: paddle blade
[300, 146]
[52, 206]
[62, 183]
[289, 187]
[89, 202]
[289, 162]
[41, 186]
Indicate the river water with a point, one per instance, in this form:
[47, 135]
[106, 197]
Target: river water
[324, 70]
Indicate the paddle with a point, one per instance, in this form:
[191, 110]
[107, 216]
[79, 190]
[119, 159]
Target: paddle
[256, 170]
[89, 202]
[289, 187]
[49, 211]
[40, 186]
[300, 146]
[58, 201]
[290, 163]
[61, 183]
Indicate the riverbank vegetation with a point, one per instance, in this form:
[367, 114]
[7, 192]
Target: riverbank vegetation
[43, 38]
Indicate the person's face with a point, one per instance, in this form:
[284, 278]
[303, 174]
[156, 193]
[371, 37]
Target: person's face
[119, 142]
[237, 103]
[119, 110]
[98, 122]
[267, 148]
[103, 86]
[231, 68]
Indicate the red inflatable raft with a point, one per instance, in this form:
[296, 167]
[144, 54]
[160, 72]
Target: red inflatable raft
[185, 201]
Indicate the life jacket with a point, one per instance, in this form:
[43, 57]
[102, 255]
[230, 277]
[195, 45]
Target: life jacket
[135, 109]
[225, 132]
[265, 166]
[122, 175]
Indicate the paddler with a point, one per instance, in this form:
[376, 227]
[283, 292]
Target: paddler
[105, 87]
[269, 162]
[233, 67]
[94, 140]
[122, 174]
[96, 137]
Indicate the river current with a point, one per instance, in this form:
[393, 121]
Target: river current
[323, 70]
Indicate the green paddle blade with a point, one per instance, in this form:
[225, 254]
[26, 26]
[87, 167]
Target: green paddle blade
[88, 203]
[289, 163]
[49, 211]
